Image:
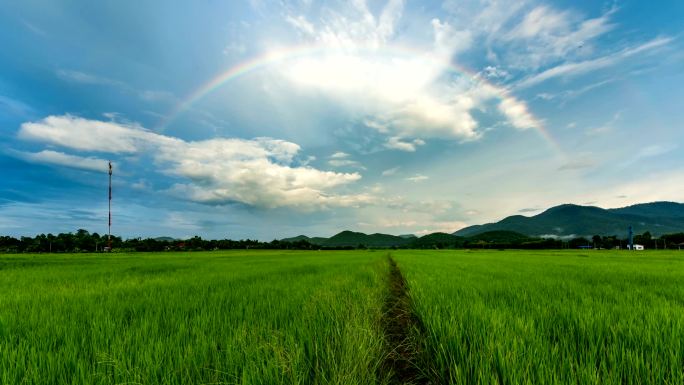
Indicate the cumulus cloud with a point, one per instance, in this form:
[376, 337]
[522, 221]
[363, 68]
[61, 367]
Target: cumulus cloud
[261, 172]
[339, 155]
[90, 135]
[517, 113]
[341, 159]
[56, 158]
[398, 144]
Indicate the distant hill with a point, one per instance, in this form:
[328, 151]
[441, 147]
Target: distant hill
[439, 240]
[351, 238]
[574, 220]
[500, 236]
[655, 209]
[434, 240]
[312, 240]
[164, 239]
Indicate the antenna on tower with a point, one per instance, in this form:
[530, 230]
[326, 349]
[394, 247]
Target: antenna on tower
[109, 232]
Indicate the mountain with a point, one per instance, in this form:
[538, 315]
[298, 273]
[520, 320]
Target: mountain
[296, 239]
[439, 240]
[500, 236]
[350, 238]
[655, 209]
[573, 220]
[311, 240]
[164, 239]
[430, 241]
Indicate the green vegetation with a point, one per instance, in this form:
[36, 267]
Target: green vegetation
[598, 317]
[658, 218]
[327, 317]
[226, 317]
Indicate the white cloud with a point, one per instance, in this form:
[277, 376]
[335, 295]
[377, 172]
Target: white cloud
[301, 23]
[577, 164]
[583, 67]
[390, 171]
[234, 48]
[441, 227]
[526, 36]
[90, 135]
[85, 78]
[339, 155]
[14, 107]
[341, 159]
[156, 96]
[653, 187]
[566, 95]
[517, 113]
[398, 144]
[655, 150]
[541, 20]
[366, 72]
[493, 72]
[96, 80]
[651, 151]
[65, 160]
[448, 41]
[346, 163]
[417, 178]
[605, 128]
[261, 172]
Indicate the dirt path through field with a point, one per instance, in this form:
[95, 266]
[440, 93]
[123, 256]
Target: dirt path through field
[400, 325]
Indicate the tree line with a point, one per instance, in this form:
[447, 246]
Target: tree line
[84, 241]
[667, 241]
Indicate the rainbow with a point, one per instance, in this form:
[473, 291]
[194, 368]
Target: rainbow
[288, 53]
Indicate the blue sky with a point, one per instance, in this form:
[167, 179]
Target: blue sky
[378, 116]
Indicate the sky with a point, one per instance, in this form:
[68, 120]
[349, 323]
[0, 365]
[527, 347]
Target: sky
[268, 119]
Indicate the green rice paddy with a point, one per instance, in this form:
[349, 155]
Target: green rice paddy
[271, 317]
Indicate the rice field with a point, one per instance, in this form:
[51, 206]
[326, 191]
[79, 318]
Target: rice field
[300, 317]
[193, 318]
[521, 317]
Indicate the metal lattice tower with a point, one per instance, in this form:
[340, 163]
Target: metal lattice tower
[109, 232]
